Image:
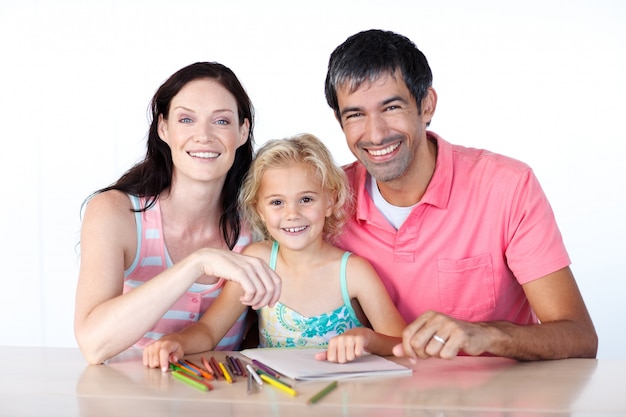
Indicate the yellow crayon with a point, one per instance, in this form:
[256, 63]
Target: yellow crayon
[277, 384]
[229, 378]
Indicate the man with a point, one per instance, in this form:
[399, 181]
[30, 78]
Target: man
[464, 239]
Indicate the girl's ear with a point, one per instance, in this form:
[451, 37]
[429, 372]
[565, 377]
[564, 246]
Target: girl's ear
[331, 202]
[259, 212]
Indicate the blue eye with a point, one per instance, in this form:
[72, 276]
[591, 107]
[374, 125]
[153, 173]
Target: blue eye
[186, 120]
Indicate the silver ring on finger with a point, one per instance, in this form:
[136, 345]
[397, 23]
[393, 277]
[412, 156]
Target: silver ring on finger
[439, 339]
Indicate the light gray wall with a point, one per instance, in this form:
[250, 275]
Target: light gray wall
[542, 81]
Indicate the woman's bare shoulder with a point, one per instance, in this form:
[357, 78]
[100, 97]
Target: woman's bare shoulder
[109, 212]
[109, 200]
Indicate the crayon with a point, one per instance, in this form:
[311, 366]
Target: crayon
[176, 367]
[266, 369]
[262, 372]
[186, 378]
[327, 389]
[254, 375]
[231, 365]
[229, 378]
[277, 384]
[249, 386]
[200, 370]
[207, 365]
[184, 365]
[242, 369]
[216, 367]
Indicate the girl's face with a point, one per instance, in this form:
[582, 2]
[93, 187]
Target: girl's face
[202, 130]
[293, 205]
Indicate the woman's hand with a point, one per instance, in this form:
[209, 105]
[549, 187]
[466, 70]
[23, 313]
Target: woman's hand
[261, 285]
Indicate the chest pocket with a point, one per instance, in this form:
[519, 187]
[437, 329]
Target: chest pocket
[466, 286]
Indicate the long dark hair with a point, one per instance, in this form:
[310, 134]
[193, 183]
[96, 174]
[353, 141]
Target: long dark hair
[151, 176]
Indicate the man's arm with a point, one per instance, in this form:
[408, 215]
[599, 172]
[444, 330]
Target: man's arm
[566, 329]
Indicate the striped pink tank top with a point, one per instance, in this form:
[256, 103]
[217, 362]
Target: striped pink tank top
[151, 259]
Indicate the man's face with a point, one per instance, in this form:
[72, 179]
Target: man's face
[382, 125]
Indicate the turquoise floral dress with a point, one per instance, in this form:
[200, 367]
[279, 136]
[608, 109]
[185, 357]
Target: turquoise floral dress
[280, 326]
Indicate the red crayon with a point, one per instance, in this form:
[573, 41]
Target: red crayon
[216, 367]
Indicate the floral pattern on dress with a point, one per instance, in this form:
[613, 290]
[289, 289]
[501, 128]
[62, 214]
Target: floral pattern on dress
[281, 326]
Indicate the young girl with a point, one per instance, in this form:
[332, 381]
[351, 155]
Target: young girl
[295, 197]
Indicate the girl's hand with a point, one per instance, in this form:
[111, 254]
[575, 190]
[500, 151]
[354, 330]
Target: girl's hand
[160, 353]
[347, 346]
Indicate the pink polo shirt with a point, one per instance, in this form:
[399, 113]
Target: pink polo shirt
[483, 228]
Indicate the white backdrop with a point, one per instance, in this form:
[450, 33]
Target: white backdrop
[539, 80]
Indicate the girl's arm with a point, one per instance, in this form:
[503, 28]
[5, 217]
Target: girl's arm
[365, 286]
[202, 336]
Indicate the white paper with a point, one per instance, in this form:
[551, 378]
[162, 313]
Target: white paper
[300, 364]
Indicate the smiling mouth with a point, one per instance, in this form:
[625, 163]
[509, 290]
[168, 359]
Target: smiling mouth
[384, 151]
[204, 155]
[294, 229]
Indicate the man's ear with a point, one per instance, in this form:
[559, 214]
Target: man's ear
[429, 104]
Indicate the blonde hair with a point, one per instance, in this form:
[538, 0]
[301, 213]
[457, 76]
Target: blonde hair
[279, 153]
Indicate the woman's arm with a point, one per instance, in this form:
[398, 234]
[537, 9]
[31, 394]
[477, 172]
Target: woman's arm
[108, 321]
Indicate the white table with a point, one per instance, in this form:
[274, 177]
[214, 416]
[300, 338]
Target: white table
[58, 382]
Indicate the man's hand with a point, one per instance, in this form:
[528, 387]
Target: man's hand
[436, 335]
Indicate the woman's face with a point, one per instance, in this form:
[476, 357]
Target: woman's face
[203, 132]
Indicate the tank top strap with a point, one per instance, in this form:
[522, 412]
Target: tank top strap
[344, 288]
[343, 278]
[274, 255]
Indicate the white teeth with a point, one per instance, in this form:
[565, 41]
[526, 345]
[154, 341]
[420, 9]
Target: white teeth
[205, 155]
[295, 229]
[385, 151]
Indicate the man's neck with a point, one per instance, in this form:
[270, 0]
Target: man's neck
[409, 189]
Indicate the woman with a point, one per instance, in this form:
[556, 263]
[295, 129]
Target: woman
[157, 245]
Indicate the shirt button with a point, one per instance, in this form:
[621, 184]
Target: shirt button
[192, 316]
[194, 300]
